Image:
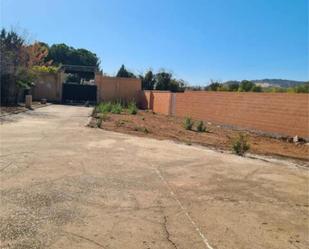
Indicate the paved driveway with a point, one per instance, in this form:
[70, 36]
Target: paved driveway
[64, 185]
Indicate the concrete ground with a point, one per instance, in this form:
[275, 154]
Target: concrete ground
[64, 185]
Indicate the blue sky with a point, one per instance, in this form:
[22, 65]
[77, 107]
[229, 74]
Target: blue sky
[197, 40]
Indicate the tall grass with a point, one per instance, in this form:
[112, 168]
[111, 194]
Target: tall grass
[104, 107]
[240, 145]
[132, 108]
[188, 123]
[116, 108]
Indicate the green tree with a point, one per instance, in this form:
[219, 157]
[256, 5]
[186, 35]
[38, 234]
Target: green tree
[233, 87]
[223, 88]
[148, 81]
[63, 54]
[246, 86]
[303, 88]
[124, 73]
[17, 65]
[163, 81]
[177, 85]
[213, 86]
[256, 88]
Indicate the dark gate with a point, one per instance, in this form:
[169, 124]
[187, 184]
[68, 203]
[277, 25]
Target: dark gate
[73, 92]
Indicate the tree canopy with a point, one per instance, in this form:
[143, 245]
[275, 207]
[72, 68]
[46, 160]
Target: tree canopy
[161, 81]
[124, 73]
[64, 54]
[18, 60]
[148, 80]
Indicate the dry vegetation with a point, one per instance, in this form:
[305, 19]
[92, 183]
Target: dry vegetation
[149, 124]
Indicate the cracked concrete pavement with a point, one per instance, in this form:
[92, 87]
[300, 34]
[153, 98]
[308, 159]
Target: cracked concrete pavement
[65, 185]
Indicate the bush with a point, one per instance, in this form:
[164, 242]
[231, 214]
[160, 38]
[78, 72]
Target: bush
[104, 107]
[240, 145]
[46, 69]
[201, 127]
[188, 123]
[132, 108]
[116, 108]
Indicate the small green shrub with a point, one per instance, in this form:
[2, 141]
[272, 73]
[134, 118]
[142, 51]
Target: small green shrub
[104, 107]
[240, 145]
[116, 108]
[188, 123]
[132, 108]
[46, 69]
[200, 127]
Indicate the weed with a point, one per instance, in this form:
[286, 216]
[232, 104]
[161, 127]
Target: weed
[104, 107]
[188, 123]
[200, 127]
[116, 108]
[240, 145]
[132, 108]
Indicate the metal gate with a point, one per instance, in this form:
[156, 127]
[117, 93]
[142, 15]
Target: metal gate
[74, 92]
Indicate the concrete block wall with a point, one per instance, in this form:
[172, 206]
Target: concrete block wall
[48, 86]
[273, 113]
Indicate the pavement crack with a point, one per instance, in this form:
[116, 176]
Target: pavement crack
[6, 166]
[16, 153]
[168, 235]
[184, 210]
[85, 238]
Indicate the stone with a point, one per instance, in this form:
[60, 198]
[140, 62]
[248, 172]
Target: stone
[295, 139]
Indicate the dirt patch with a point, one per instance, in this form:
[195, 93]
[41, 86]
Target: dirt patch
[149, 124]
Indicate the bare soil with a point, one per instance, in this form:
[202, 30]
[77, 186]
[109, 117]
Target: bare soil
[149, 124]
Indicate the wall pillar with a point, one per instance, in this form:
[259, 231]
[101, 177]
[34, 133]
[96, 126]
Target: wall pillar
[172, 107]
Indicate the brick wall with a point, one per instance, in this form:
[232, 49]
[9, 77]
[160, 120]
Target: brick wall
[115, 88]
[273, 113]
[161, 102]
[158, 101]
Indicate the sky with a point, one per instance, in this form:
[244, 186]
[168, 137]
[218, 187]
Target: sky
[196, 40]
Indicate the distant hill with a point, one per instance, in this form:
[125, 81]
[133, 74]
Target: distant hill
[271, 82]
